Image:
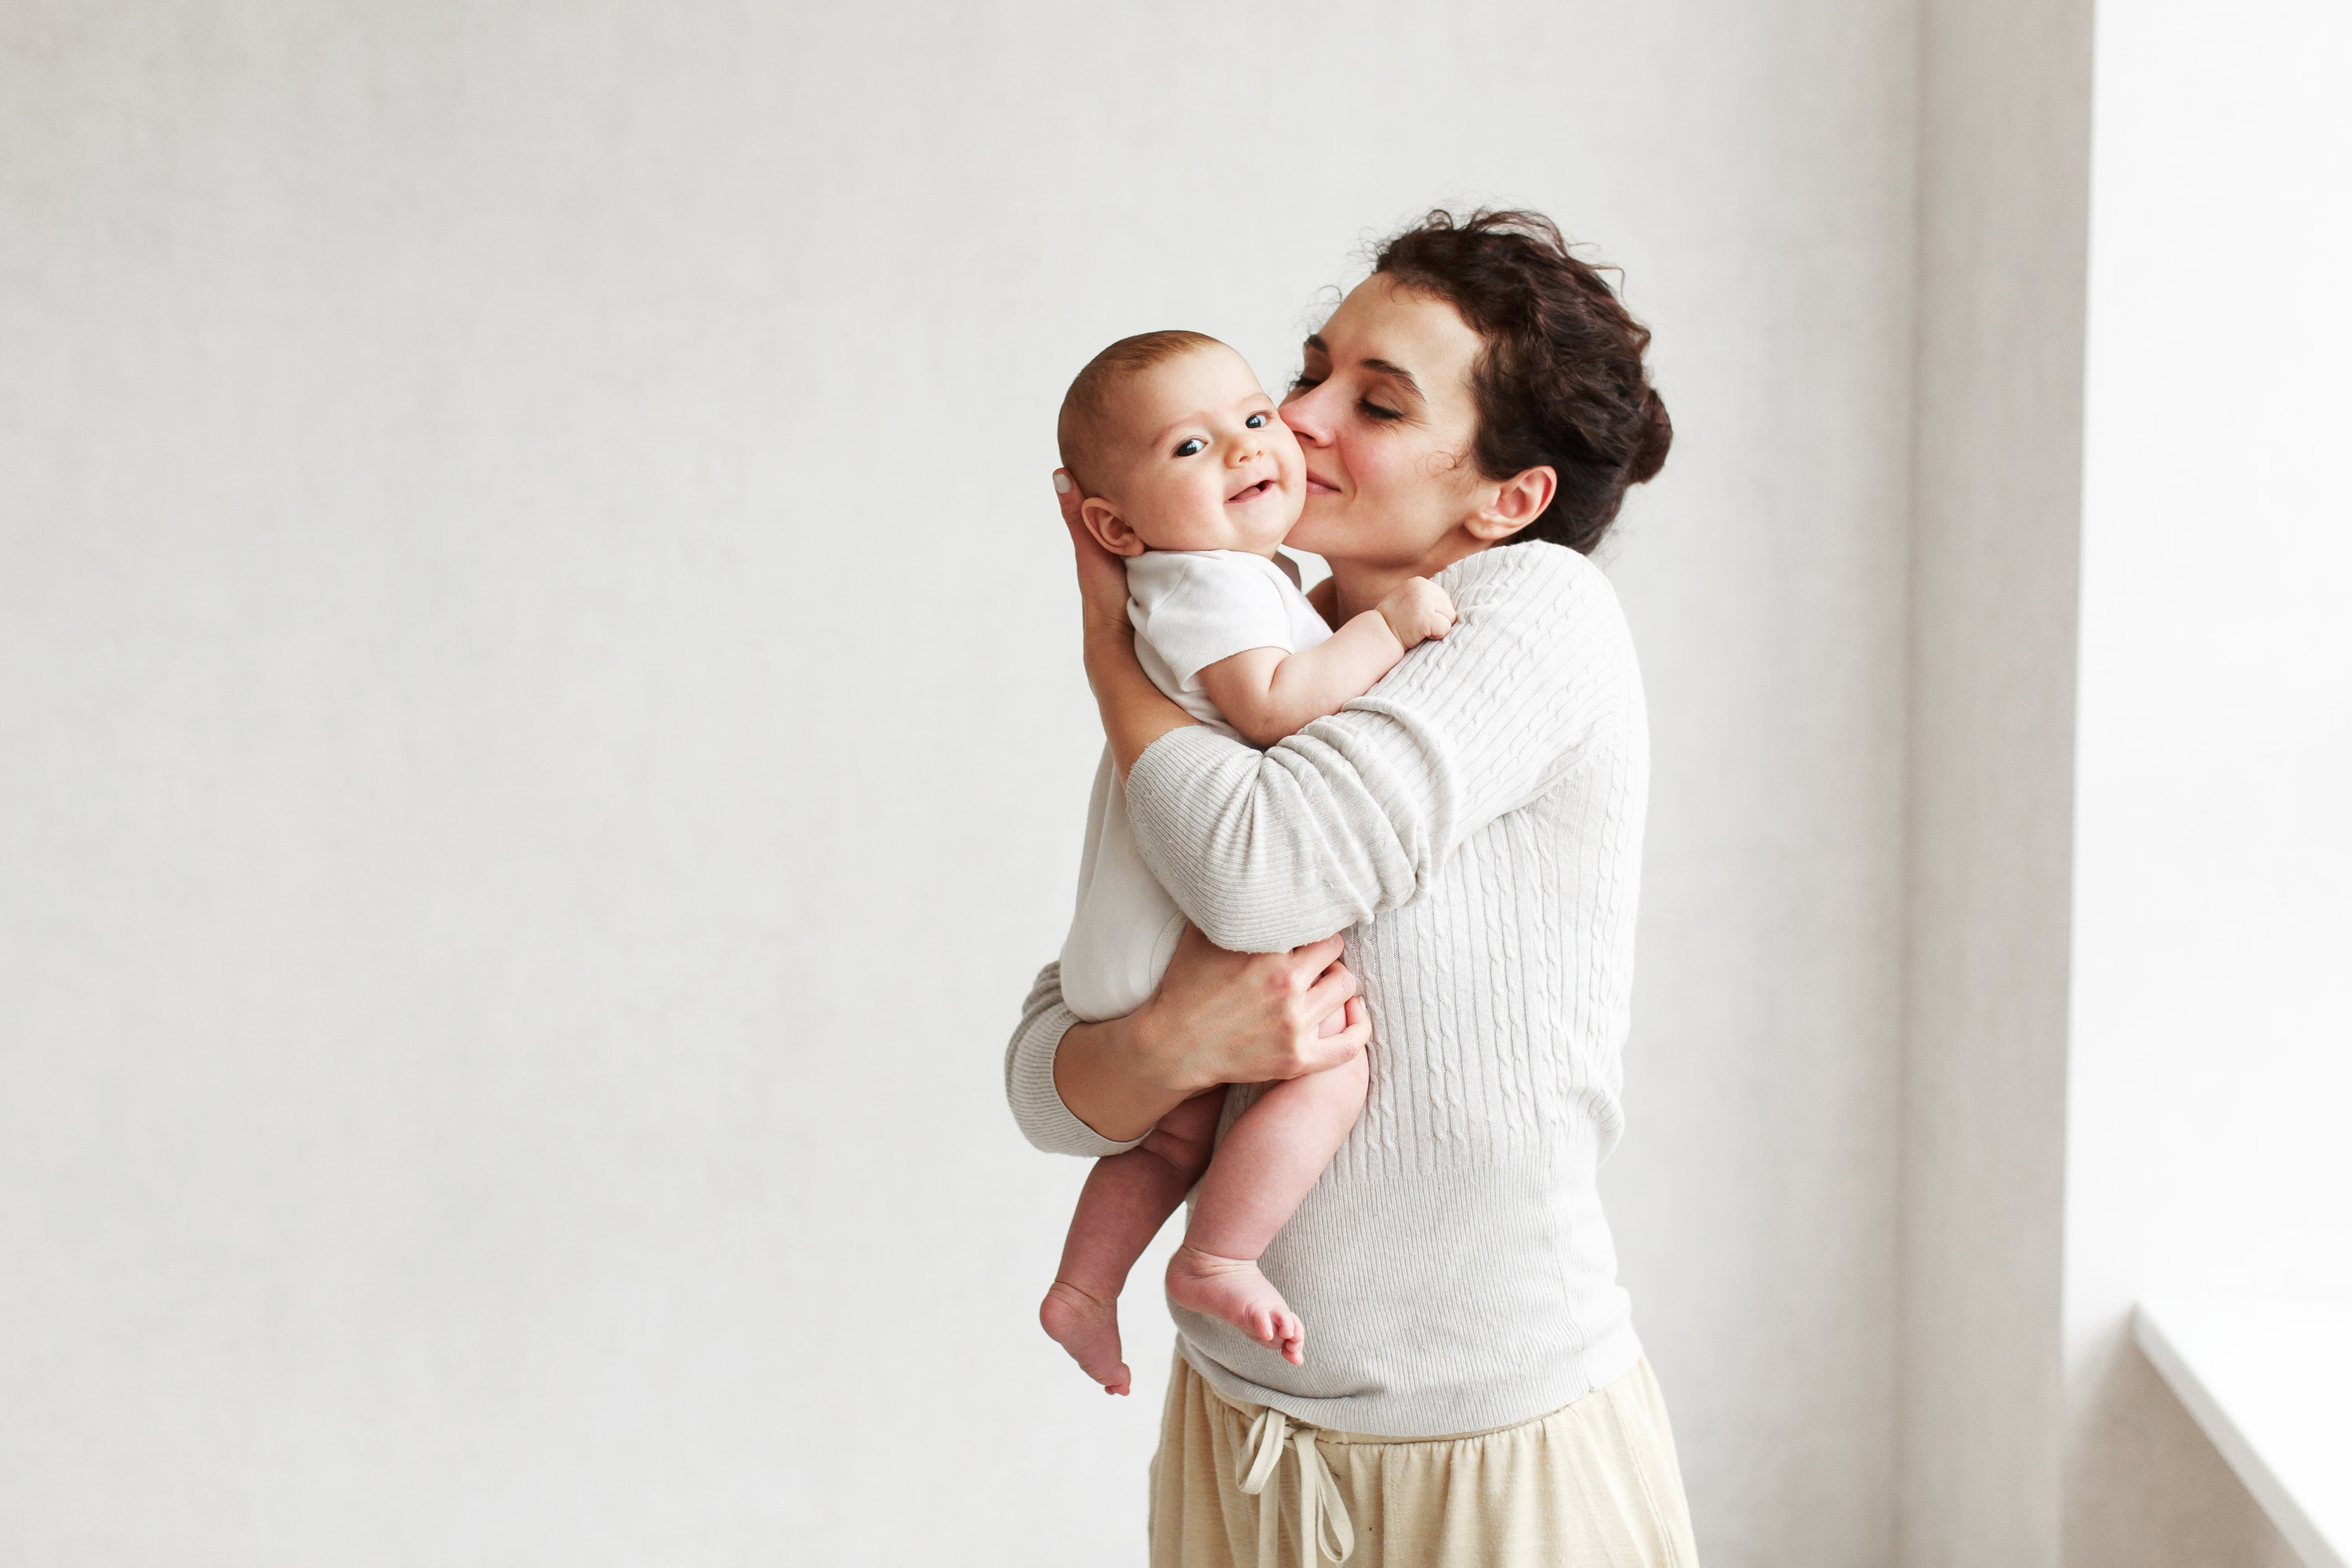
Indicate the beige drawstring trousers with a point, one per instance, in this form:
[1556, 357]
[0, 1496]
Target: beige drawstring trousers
[1594, 1484]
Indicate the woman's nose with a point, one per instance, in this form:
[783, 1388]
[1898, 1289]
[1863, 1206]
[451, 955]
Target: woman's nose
[1303, 415]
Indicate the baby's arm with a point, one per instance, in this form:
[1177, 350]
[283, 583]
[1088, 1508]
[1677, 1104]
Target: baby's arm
[1266, 694]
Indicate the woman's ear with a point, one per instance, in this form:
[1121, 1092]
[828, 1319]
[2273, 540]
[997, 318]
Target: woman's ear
[1109, 529]
[1518, 501]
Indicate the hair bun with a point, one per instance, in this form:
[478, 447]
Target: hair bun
[1657, 436]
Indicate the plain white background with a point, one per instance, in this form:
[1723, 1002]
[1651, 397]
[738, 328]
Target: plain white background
[2214, 896]
[541, 740]
[544, 738]
[2208, 1076]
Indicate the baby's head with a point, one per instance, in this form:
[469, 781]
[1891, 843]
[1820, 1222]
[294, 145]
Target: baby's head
[1174, 445]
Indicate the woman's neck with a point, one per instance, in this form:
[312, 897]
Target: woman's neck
[1358, 585]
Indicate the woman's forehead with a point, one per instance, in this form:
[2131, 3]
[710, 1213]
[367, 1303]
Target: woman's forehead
[1401, 332]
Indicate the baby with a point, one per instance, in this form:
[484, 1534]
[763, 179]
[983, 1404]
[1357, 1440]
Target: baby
[1186, 469]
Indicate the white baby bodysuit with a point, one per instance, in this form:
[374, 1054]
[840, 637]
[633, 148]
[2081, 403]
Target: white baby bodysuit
[1190, 608]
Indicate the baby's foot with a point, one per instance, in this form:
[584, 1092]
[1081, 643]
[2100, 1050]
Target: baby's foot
[1232, 1289]
[1087, 1327]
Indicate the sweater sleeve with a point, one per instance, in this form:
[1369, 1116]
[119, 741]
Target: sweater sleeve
[1352, 815]
[1036, 1104]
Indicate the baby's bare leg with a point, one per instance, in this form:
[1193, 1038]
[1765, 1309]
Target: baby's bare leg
[1127, 1198]
[1261, 1173]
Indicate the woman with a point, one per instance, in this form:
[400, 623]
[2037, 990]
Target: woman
[1474, 411]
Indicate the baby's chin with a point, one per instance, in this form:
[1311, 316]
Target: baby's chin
[1261, 541]
[1266, 521]
[1289, 527]
[1258, 534]
[1306, 530]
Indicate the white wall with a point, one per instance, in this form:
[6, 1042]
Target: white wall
[511, 896]
[2212, 999]
[2004, 134]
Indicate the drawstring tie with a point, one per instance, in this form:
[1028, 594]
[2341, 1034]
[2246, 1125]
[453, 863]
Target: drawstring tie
[1324, 1529]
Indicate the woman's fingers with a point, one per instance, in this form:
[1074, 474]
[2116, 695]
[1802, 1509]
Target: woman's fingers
[1334, 982]
[1327, 999]
[1316, 956]
[1256, 1017]
[1353, 1033]
[1102, 576]
[1358, 1032]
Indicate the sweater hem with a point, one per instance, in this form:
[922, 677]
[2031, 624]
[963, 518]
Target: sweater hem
[1434, 1414]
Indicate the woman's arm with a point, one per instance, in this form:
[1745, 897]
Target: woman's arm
[1217, 1017]
[1134, 712]
[1029, 1074]
[1355, 813]
[1268, 694]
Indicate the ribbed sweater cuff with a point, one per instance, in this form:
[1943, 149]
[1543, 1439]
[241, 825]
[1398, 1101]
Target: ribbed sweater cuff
[1037, 1104]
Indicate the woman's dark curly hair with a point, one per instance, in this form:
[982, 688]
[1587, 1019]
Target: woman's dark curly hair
[1560, 381]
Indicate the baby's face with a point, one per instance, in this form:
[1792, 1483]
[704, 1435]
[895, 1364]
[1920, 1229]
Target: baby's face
[1200, 460]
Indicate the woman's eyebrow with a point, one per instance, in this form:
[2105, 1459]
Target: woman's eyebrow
[1389, 368]
[1395, 372]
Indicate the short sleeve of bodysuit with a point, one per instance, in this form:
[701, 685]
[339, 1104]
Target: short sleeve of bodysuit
[1195, 607]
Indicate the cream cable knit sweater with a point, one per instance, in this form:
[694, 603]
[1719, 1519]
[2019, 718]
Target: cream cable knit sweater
[1474, 825]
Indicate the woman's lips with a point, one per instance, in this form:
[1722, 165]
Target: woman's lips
[1316, 486]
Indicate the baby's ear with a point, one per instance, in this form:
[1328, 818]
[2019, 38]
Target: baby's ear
[1109, 529]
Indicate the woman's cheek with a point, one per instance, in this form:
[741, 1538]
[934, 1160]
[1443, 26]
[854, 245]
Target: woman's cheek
[1371, 478]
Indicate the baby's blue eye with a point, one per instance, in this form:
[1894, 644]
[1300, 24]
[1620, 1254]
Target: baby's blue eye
[1256, 421]
[1191, 447]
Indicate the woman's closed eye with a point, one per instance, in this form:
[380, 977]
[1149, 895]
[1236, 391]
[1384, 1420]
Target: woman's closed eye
[1303, 383]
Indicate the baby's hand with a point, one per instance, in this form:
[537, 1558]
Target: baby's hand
[1418, 608]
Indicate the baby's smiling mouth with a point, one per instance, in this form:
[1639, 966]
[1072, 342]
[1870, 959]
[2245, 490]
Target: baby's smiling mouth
[1251, 492]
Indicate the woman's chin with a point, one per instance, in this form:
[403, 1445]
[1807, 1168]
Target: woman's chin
[1317, 535]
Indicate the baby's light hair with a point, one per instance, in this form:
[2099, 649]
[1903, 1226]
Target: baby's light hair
[1087, 404]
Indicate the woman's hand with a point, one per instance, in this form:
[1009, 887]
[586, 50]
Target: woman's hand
[1252, 1017]
[1102, 576]
[1134, 712]
[1218, 1017]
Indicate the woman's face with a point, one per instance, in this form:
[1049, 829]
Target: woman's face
[1383, 411]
